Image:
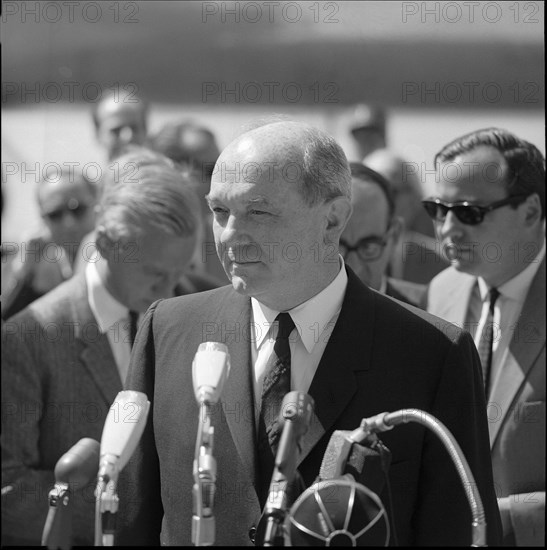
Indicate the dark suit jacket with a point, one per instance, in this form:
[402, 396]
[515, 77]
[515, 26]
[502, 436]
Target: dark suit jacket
[59, 379]
[413, 294]
[371, 364]
[516, 408]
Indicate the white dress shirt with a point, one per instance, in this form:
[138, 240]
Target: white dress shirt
[112, 318]
[506, 312]
[314, 321]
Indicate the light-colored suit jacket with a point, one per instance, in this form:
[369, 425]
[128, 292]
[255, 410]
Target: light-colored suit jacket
[516, 408]
[59, 379]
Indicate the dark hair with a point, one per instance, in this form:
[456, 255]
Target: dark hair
[525, 162]
[368, 175]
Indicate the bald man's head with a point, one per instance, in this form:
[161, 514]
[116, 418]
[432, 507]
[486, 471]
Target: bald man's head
[298, 153]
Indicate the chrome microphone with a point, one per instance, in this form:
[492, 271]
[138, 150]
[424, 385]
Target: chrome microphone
[77, 467]
[122, 430]
[210, 370]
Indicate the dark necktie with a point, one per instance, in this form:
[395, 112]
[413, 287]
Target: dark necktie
[486, 340]
[277, 383]
[133, 325]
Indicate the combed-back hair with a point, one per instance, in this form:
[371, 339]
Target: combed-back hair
[143, 187]
[525, 162]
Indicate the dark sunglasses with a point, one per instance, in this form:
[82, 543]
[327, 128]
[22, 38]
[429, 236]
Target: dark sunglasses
[467, 212]
[78, 211]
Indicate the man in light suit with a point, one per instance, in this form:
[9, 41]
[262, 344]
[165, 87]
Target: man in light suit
[281, 197]
[372, 234]
[64, 357]
[489, 211]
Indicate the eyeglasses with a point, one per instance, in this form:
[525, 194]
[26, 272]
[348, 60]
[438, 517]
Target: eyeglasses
[73, 207]
[467, 212]
[368, 249]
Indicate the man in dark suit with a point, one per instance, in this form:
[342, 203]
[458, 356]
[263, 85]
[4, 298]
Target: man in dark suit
[281, 197]
[372, 234]
[65, 356]
[489, 211]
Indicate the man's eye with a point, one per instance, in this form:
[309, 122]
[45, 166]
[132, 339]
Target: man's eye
[258, 212]
[218, 210]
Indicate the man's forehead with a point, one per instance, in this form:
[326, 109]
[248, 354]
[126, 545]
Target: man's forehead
[481, 164]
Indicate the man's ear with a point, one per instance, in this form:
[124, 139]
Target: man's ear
[338, 214]
[104, 243]
[532, 205]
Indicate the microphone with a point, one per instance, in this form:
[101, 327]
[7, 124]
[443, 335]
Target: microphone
[343, 507]
[210, 370]
[295, 417]
[77, 467]
[122, 430]
[338, 512]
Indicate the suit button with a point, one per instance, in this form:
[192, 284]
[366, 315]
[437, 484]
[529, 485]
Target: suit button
[252, 534]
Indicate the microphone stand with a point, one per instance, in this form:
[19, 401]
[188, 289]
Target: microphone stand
[386, 421]
[203, 493]
[58, 528]
[106, 508]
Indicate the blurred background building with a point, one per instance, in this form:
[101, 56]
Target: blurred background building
[437, 69]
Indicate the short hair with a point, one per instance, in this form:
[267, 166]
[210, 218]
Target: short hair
[326, 172]
[174, 141]
[122, 95]
[145, 187]
[365, 174]
[525, 162]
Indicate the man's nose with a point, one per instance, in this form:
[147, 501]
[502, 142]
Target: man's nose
[450, 226]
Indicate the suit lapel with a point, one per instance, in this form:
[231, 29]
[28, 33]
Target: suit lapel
[527, 343]
[334, 383]
[238, 395]
[93, 348]
[453, 304]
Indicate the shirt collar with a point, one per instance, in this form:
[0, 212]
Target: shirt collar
[517, 287]
[383, 285]
[310, 317]
[106, 309]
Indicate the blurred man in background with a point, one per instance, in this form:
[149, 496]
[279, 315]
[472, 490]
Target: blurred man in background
[489, 211]
[65, 357]
[368, 129]
[372, 233]
[120, 119]
[67, 208]
[194, 148]
[417, 256]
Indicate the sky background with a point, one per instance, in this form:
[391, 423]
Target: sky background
[440, 69]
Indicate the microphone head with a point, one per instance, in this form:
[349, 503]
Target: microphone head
[79, 464]
[297, 407]
[338, 512]
[123, 428]
[210, 370]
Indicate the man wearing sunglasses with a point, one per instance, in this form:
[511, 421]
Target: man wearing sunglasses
[67, 208]
[489, 212]
[372, 233]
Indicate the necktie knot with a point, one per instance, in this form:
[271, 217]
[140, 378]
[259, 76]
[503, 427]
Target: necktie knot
[493, 296]
[285, 325]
